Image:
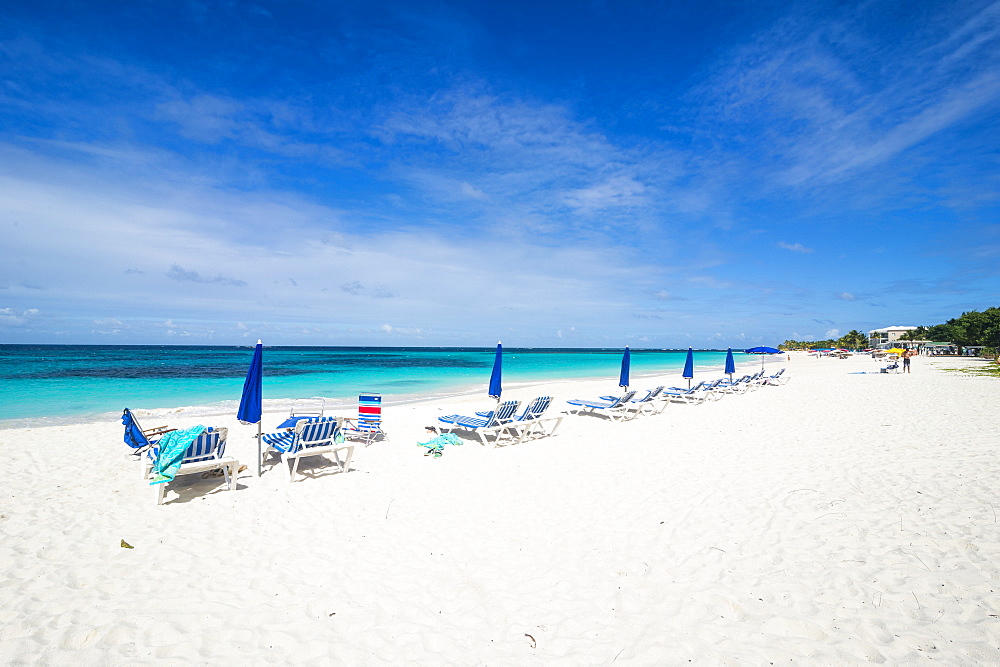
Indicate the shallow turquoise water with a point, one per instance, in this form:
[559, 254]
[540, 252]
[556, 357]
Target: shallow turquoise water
[66, 383]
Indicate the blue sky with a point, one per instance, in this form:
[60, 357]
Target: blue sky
[658, 174]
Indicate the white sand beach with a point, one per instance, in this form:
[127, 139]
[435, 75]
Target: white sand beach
[838, 519]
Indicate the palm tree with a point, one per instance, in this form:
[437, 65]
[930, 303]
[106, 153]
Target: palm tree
[853, 340]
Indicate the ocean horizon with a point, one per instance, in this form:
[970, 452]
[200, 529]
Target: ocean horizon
[60, 384]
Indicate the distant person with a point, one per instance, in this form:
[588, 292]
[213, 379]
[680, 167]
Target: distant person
[906, 360]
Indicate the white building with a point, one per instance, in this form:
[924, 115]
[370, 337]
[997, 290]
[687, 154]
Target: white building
[885, 336]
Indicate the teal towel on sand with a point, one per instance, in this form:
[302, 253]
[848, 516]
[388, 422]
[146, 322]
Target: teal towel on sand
[172, 447]
[436, 445]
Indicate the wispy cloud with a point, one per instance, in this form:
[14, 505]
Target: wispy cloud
[177, 272]
[794, 247]
[833, 112]
[11, 318]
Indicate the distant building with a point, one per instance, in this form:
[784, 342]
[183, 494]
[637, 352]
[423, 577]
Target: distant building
[884, 337]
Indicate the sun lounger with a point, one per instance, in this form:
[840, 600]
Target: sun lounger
[313, 437]
[617, 409]
[651, 403]
[205, 453]
[778, 378]
[496, 422]
[532, 423]
[695, 394]
[743, 385]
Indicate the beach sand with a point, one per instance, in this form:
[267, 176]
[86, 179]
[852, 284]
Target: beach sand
[839, 519]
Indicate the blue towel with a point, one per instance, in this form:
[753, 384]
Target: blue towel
[172, 446]
[436, 445]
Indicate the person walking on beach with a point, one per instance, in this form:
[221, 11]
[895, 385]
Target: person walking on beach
[906, 360]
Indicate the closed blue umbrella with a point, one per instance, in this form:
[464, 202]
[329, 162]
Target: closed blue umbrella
[762, 350]
[730, 364]
[689, 367]
[251, 402]
[495, 389]
[626, 364]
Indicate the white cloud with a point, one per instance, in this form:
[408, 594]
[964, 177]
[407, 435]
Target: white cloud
[794, 247]
[12, 318]
[619, 191]
[473, 192]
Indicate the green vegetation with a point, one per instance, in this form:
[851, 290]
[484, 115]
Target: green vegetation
[852, 340]
[971, 328]
[992, 370]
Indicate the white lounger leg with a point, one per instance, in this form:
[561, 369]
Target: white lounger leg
[346, 466]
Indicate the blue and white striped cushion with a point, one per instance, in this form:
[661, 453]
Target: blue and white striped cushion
[279, 441]
[316, 428]
[203, 448]
[465, 422]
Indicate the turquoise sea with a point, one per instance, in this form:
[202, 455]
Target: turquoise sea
[52, 384]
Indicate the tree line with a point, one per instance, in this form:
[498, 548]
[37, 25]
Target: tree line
[972, 328]
[852, 340]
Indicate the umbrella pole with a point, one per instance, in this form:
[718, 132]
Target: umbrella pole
[259, 462]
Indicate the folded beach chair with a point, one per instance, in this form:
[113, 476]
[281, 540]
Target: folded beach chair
[368, 425]
[312, 437]
[205, 453]
[617, 409]
[137, 437]
[496, 422]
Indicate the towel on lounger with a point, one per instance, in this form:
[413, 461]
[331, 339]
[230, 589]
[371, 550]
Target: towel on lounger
[171, 452]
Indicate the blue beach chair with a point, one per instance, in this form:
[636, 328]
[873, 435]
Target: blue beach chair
[695, 394]
[532, 421]
[496, 422]
[618, 408]
[776, 379]
[137, 437]
[650, 403]
[312, 437]
[368, 425]
[207, 452]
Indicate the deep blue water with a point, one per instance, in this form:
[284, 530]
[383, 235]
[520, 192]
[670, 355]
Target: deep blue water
[66, 383]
